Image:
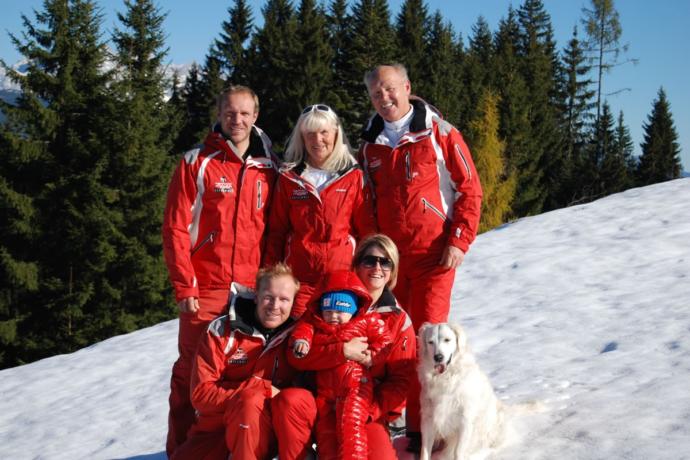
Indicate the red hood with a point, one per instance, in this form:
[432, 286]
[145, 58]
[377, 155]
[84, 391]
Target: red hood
[341, 280]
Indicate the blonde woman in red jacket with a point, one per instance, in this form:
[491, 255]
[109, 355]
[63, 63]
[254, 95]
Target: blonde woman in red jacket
[320, 207]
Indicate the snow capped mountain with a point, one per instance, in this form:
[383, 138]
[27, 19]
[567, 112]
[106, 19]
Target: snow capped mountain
[584, 309]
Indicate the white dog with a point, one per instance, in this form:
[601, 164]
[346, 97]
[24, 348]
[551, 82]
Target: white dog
[458, 406]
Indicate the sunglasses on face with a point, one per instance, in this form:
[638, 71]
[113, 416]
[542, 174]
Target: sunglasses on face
[319, 107]
[371, 261]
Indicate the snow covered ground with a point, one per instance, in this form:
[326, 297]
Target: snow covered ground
[585, 309]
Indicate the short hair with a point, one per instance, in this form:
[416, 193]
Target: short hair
[315, 120]
[272, 272]
[371, 75]
[236, 89]
[387, 246]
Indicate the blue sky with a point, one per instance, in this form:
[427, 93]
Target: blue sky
[658, 34]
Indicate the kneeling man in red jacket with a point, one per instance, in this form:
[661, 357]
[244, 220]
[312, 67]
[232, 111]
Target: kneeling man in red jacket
[242, 386]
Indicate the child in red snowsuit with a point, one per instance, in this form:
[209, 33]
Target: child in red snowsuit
[346, 389]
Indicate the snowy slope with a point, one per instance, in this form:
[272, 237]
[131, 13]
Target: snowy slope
[585, 309]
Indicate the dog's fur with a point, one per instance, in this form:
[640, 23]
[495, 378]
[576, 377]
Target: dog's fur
[458, 406]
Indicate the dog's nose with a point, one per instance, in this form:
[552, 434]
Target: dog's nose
[438, 357]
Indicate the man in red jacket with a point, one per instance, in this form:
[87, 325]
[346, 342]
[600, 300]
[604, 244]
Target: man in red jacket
[242, 384]
[213, 228]
[427, 199]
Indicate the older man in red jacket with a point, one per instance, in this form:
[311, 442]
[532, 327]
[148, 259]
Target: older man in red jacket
[242, 385]
[427, 199]
[216, 212]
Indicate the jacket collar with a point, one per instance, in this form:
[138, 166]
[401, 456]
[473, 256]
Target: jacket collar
[418, 122]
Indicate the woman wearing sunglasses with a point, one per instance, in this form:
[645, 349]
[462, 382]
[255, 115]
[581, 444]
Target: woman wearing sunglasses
[319, 206]
[375, 263]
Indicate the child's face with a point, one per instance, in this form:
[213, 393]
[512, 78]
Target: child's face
[335, 317]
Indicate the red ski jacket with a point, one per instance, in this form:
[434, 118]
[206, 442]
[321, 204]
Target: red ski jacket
[393, 374]
[234, 356]
[426, 189]
[216, 213]
[314, 232]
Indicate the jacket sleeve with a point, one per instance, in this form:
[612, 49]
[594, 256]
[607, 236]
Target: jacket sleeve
[176, 220]
[209, 392]
[278, 225]
[468, 189]
[400, 368]
[379, 338]
[363, 219]
[324, 353]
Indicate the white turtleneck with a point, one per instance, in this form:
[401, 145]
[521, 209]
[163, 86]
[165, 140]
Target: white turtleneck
[394, 130]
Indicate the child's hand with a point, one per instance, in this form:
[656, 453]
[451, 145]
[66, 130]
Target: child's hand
[300, 349]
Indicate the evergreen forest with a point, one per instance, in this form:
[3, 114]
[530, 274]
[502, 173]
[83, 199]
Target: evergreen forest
[87, 149]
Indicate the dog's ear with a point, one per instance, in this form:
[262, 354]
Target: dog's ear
[460, 336]
[421, 339]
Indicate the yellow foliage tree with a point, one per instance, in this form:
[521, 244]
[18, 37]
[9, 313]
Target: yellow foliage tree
[488, 149]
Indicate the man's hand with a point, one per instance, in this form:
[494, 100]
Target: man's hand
[452, 257]
[356, 349]
[188, 305]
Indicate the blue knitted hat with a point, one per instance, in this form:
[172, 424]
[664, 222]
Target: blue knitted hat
[345, 301]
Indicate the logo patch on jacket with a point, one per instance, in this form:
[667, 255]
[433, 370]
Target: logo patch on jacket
[375, 164]
[223, 186]
[299, 194]
[239, 357]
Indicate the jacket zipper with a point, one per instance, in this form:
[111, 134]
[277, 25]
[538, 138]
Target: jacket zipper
[208, 238]
[259, 204]
[427, 204]
[275, 369]
[408, 166]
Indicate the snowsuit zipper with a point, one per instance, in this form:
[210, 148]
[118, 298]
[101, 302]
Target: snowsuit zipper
[428, 204]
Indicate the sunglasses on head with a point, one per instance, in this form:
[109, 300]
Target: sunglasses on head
[319, 107]
[370, 261]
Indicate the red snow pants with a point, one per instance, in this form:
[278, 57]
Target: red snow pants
[254, 427]
[212, 303]
[423, 290]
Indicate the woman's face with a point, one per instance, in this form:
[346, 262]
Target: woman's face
[374, 278]
[319, 145]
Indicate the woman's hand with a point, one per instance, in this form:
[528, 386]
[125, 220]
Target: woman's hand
[357, 349]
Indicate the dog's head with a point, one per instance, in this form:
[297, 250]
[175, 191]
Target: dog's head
[440, 344]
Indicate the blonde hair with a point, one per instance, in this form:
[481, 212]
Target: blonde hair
[387, 246]
[236, 89]
[316, 120]
[267, 274]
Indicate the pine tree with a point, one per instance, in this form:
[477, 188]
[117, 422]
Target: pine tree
[372, 43]
[231, 48]
[140, 167]
[411, 25]
[512, 91]
[577, 119]
[441, 78]
[488, 151]
[476, 71]
[660, 159]
[275, 75]
[60, 116]
[539, 169]
[337, 23]
[625, 148]
[314, 58]
[195, 123]
[604, 32]
[613, 170]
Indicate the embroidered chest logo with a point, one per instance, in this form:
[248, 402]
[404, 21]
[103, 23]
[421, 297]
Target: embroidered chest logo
[375, 163]
[223, 186]
[299, 194]
[239, 357]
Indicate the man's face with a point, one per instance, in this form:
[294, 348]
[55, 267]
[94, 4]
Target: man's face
[390, 94]
[274, 301]
[237, 115]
